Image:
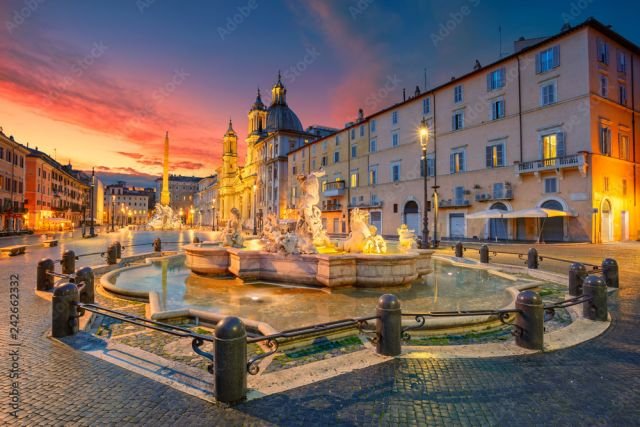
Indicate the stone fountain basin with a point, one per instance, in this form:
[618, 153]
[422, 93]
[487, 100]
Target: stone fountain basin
[330, 270]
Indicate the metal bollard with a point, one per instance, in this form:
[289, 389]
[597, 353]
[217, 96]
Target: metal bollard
[85, 275]
[530, 320]
[596, 309]
[118, 247]
[111, 255]
[388, 325]
[484, 254]
[64, 313]
[44, 281]
[532, 258]
[230, 363]
[459, 250]
[577, 274]
[157, 245]
[68, 262]
[610, 272]
[196, 240]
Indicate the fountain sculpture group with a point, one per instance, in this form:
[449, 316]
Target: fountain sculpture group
[292, 256]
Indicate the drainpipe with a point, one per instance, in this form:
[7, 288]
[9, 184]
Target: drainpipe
[633, 129]
[348, 179]
[519, 107]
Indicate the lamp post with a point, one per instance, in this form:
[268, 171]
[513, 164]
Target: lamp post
[255, 231]
[192, 212]
[113, 211]
[92, 232]
[424, 141]
[213, 215]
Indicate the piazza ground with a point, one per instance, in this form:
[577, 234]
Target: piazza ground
[594, 383]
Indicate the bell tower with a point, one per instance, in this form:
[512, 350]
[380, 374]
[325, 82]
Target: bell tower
[257, 116]
[230, 151]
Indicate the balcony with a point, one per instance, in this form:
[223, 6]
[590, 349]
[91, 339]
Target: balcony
[366, 205]
[505, 194]
[333, 189]
[454, 203]
[574, 161]
[332, 207]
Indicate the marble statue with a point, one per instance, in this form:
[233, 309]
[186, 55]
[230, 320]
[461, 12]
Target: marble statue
[276, 240]
[406, 239]
[232, 235]
[164, 218]
[363, 237]
[309, 230]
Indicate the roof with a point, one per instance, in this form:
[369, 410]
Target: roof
[281, 117]
[589, 22]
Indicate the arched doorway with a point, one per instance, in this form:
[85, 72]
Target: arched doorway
[498, 226]
[553, 228]
[606, 229]
[412, 216]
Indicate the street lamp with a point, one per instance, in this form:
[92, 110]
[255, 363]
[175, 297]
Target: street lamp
[92, 232]
[192, 211]
[424, 141]
[213, 214]
[255, 231]
[113, 211]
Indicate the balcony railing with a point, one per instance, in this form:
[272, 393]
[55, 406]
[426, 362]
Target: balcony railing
[334, 188]
[332, 207]
[506, 194]
[555, 163]
[366, 205]
[454, 203]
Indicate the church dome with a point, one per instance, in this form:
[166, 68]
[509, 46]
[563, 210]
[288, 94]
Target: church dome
[279, 115]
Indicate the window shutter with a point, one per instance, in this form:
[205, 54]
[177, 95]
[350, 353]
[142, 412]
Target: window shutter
[489, 156]
[453, 122]
[462, 161]
[556, 56]
[452, 163]
[561, 145]
[500, 148]
[538, 64]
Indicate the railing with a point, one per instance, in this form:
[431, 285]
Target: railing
[332, 207]
[571, 161]
[454, 203]
[230, 365]
[506, 194]
[333, 188]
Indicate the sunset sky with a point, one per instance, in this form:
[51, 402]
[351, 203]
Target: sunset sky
[97, 83]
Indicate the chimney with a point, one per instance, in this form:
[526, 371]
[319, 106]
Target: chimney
[404, 95]
[360, 115]
[417, 91]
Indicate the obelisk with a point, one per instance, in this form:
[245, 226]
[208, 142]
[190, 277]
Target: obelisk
[165, 197]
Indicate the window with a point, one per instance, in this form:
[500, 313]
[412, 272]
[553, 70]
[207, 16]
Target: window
[361, 130]
[337, 140]
[605, 140]
[456, 162]
[394, 118]
[497, 109]
[354, 178]
[605, 183]
[551, 185]
[373, 126]
[553, 146]
[313, 164]
[293, 170]
[548, 59]
[623, 146]
[457, 121]
[313, 150]
[426, 106]
[336, 157]
[395, 171]
[430, 166]
[495, 155]
[458, 195]
[373, 175]
[373, 146]
[624, 187]
[602, 51]
[622, 62]
[604, 86]
[323, 162]
[354, 151]
[548, 93]
[457, 94]
[394, 140]
[353, 133]
[324, 146]
[495, 79]
[622, 93]
[294, 159]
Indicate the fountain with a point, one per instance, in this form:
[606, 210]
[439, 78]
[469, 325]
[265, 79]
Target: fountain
[307, 256]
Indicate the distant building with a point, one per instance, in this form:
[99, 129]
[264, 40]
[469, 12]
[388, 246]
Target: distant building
[55, 198]
[205, 202]
[182, 190]
[126, 205]
[12, 184]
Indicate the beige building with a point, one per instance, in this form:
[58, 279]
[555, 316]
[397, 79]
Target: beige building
[12, 184]
[205, 202]
[125, 205]
[551, 126]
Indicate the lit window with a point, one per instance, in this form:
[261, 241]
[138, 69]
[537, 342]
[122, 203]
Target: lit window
[495, 155]
[373, 175]
[354, 179]
[457, 161]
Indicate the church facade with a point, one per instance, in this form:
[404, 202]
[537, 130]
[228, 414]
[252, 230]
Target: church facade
[259, 187]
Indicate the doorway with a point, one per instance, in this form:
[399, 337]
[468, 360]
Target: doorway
[412, 216]
[606, 229]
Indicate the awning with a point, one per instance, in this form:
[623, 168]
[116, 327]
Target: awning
[488, 214]
[536, 213]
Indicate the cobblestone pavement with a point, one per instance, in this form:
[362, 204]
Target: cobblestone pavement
[595, 383]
